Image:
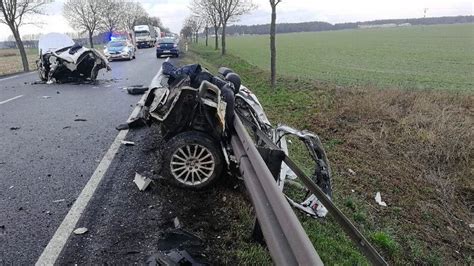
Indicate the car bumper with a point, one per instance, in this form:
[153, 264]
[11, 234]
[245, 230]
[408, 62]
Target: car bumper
[117, 56]
[165, 51]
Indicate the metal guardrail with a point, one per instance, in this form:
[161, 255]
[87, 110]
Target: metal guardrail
[361, 242]
[285, 237]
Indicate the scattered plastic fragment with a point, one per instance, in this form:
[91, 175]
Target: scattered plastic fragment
[128, 143]
[132, 124]
[352, 190]
[59, 200]
[15, 128]
[80, 120]
[471, 225]
[172, 257]
[137, 89]
[378, 199]
[176, 223]
[80, 231]
[46, 97]
[352, 172]
[141, 181]
[11, 187]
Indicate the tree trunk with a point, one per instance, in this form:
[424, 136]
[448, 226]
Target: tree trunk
[207, 35]
[21, 47]
[224, 25]
[273, 48]
[90, 39]
[197, 37]
[216, 32]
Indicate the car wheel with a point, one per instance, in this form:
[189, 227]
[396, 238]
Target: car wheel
[192, 160]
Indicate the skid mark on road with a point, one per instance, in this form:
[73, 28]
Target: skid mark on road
[11, 99]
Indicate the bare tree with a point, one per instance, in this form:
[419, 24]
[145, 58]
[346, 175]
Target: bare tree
[273, 4]
[132, 12]
[194, 23]
[207, 10]
[198, 25]
[112, 15]
[229, 11]
[14, 14]
[84, 15]
[187, 30]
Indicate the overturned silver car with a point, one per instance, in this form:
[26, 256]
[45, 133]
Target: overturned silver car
[61, 60]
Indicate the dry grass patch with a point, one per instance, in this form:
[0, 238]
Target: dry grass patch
[10, 61]
[416, 148]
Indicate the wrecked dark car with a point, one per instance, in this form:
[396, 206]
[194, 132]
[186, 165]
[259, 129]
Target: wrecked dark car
[60, 60]
[192, 107]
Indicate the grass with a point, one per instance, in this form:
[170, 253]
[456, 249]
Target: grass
[413, 146]
[421, 57]
[10, 60]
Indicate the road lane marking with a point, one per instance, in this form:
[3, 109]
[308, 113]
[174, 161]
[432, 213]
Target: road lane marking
[11, 99]
[17, 76]
[58, 241]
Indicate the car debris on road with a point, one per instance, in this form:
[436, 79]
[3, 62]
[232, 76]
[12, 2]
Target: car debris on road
[136, 89]
[128, 143]
[195, 111]
[141, 181]
[61, 60]
[80, 231]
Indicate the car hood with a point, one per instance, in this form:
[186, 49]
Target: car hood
[52, 42]
[115, 49]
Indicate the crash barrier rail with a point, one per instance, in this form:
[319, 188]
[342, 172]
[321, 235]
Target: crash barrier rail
[285, 237]
[264, 176]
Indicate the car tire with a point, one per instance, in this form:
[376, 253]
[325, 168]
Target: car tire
[192, 160]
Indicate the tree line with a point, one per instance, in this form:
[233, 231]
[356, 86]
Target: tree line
[324, 26]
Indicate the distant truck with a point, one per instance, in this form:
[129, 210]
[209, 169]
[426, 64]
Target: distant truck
[145, 36]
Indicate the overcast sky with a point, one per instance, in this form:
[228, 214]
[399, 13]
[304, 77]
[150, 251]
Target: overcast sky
[173, 12]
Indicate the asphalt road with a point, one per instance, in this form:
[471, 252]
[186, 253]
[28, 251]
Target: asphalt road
[47, 157]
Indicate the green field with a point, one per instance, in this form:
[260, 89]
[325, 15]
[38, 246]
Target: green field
[440, 56]
[414, 146]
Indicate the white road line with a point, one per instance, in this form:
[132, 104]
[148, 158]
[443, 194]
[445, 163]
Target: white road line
[56, 244]
[17, 76]
[11, 99]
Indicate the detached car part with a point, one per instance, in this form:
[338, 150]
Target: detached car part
[62, 60]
